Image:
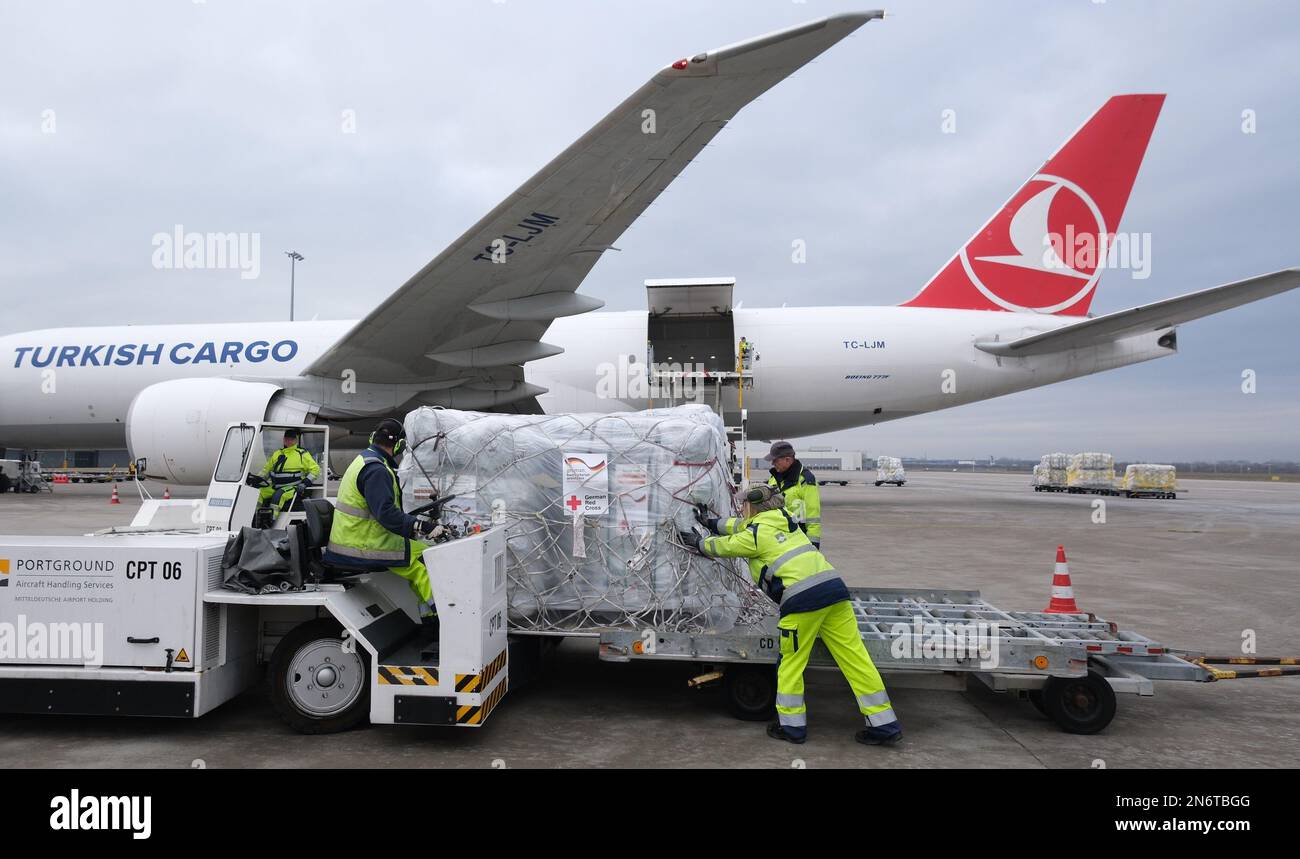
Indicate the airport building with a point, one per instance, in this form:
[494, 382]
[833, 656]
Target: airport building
[815, 458]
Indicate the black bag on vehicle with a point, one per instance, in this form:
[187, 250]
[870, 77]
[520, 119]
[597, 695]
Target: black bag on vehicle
[256, 561]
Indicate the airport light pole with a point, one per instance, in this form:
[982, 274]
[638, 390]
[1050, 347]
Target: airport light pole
[294, 259]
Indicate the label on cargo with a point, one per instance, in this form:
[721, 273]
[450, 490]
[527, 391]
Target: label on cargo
[586, 483]
[631, 497]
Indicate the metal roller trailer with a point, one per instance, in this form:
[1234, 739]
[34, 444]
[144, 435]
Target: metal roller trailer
[1070, 666]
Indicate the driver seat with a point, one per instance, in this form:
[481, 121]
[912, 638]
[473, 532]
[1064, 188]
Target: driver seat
[308, 544]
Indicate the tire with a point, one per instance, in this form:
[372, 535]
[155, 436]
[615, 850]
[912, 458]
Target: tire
[751, 692]
[1079, 705]
[315, 708]
[878, 482]
[1036, 698]
[4, 483]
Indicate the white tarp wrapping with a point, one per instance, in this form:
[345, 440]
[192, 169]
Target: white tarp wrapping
[889, 468]
[1091, 470]
[592, 505]
[1052, 470]
[1146, 477]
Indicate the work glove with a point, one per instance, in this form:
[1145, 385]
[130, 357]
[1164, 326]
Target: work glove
[255, 481]
[702, 516]
[691, 539]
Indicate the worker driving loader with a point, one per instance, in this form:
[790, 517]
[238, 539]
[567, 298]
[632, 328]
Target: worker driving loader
[370, 529]
[287, 471]
[814, 602]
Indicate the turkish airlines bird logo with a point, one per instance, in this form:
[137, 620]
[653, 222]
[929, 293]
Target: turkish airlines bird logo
[1043, 252]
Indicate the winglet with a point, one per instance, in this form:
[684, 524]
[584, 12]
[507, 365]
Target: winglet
[802, 43]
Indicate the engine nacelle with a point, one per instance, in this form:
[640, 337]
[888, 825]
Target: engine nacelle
[178, 426]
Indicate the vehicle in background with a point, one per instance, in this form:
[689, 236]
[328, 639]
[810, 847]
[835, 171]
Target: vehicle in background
[22, 475]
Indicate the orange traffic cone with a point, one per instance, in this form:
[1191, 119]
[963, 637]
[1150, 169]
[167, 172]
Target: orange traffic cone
[115, 499]
[1062, 590]
[167, 493]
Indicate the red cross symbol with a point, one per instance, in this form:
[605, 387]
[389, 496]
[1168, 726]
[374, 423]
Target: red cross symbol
[573, 503]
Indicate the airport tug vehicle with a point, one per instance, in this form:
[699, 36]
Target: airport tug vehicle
[135, 621]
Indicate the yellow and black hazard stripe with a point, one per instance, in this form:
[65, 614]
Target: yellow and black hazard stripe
[474, 682]
[407, 675]
[471, 715]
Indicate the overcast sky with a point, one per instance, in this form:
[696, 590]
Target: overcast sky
[119, 120]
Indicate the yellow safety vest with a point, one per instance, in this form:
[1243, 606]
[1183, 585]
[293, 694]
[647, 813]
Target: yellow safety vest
[357, 534]
[782, 560]
[803, 501]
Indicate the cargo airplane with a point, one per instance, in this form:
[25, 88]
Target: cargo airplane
[1008, 311]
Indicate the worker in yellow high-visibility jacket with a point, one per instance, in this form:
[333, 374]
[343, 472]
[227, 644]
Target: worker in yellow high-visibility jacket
[283, 470]
[803, 500]
[814, 604]
[370, 529]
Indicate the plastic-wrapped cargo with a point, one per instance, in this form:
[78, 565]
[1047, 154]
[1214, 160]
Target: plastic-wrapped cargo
[1054, 468]
[1147, 477]
[1091, 471]
[889, 469]
[592, 504]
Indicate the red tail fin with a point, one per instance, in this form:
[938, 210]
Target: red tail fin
[1045, 249]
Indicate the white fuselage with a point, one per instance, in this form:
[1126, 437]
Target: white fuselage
[816, 369]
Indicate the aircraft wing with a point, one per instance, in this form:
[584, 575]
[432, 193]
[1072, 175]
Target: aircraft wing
[1149, 317]
[467, 322]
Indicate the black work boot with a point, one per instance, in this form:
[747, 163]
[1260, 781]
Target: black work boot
[776, 732]
[882, 736]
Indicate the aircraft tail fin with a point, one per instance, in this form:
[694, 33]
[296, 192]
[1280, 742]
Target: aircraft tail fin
[1045, 250]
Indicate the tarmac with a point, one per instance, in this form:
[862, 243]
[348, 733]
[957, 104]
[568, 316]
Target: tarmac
[1199, 572]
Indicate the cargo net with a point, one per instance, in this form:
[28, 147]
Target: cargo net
[592, 506]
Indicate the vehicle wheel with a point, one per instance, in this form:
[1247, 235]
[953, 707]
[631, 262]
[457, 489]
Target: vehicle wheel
[4, 483]
[750, 691]
[1079, 705]
[1036, 698]
[316, 688]
[878, 482]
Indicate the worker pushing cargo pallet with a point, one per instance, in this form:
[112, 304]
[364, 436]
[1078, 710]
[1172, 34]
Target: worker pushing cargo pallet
[136, 621]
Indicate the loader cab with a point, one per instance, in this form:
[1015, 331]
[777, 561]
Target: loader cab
[232, 503]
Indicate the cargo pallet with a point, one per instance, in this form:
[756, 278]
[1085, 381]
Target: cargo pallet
[1148, 493]
[1069, 666]
[1101, 490]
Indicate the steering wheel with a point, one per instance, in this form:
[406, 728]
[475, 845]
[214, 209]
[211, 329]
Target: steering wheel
[432, 506]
